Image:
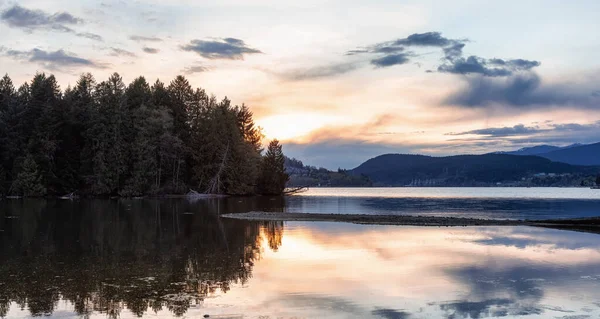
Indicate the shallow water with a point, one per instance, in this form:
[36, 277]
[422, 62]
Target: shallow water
[169, 258]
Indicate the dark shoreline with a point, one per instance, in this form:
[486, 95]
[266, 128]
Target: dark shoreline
[591, 224]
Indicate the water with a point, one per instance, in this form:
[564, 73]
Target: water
[491, 203]
[174, 258]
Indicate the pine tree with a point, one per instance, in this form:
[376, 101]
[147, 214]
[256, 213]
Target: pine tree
[29, 181]
[273, 176]
[107, 139]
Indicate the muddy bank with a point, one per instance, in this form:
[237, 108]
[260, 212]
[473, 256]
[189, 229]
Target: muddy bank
[581, 224]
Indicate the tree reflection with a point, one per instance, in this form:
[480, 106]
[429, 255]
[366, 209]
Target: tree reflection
[141, 255]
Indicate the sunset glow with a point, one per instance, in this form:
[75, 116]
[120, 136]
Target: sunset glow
[411, 77]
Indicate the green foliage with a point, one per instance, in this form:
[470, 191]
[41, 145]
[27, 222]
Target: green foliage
[109, 138]
[310, 176]
[273, 177]
[29, 181]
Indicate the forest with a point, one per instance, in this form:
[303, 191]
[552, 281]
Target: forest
[111, 139]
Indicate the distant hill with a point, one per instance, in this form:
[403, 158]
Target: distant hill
[534, 150]
[470, 170]
[575, 154]
[580, 155]
[309, 176]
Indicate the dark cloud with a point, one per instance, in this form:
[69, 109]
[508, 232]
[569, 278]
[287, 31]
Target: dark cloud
[320, 72]
[53, 60]
[454, 51]
[576, 127]
[454, 62]
[389, 60]
[392, 50]
[227, 48]
[517, 64]
[519, 129]
[90, 36]
[195, 69]
[140, 38]
[524, 90]
[477, 65]
[20, 17]
[150, 50]
[121, 52]
[431, 39]
[388, 49]
[390, 313]
[519, 136]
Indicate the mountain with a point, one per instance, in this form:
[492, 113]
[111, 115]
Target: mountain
[579, 155]
[471, 170]
[534, 150]
[575, 154]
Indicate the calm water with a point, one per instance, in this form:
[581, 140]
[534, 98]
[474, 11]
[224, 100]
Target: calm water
[492, 203]
[174, 258]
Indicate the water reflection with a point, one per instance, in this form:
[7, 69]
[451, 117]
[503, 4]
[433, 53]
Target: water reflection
[491, 208]
[176, 258]
[397, 272]
[105, 256]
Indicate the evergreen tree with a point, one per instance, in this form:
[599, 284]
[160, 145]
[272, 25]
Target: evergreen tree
[105, 140]
[108, 138]
[29, 182]
[44, 114]
[273, 176]
[7, 127]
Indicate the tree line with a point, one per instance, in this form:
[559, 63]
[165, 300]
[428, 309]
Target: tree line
[113, 139]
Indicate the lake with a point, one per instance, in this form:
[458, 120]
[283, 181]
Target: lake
[177, 258]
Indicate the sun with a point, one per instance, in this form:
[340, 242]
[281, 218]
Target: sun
[286, 127]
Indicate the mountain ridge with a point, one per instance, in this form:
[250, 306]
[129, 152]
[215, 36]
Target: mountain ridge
[471, 170]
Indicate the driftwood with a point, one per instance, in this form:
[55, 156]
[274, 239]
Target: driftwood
[69, 196]
[295, 190]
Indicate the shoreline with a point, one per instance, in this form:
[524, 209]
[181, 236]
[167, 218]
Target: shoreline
[591, 224]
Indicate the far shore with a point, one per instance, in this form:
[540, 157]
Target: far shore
[591, 224]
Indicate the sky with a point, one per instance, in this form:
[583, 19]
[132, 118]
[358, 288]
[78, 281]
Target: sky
[339, 82]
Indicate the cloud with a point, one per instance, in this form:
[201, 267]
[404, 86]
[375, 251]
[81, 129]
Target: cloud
[390, 60]
[90, 36]
[195, 69]
[477, 65]
[454, 51]
[519, 129]
[140, 38]
[393, 53]
[427, 39]
[30, 20]
[227, 48]
[320, 71]
[523, 90]
[431, 39]
[20, 17]
[390, 313]
[519, 136]
[122, 52]
[150, 50]
[53, 60]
